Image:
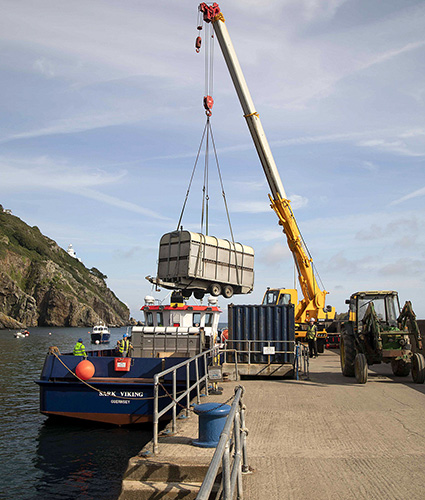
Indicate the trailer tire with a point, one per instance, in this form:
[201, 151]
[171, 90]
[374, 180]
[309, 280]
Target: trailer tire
[227, 292]
[347, 355]
[360, 368]
[199, 294]
[400, 367]
[215, 289]
[418, 368]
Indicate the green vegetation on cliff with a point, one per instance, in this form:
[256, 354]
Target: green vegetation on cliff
[42, 285]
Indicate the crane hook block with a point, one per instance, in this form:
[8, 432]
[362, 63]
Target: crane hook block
[198, 43]
[208, 104]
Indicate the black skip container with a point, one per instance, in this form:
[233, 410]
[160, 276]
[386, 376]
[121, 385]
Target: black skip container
[268, 325]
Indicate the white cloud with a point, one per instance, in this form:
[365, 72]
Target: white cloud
[45, 67]
[77, 124]
[392, 146]
[274, 254]
[368, 165]
[410, 196]
[253, 207]
[45, 173]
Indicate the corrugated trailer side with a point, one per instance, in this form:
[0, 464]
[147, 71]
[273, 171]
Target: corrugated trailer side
[196, 261]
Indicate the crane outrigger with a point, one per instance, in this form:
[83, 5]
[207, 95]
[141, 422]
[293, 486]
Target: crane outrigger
[314, 298]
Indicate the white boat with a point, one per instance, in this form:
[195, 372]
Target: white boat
[100, 334]
[176, 327]
[22, 334]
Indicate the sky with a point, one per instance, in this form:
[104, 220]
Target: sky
[102, 117]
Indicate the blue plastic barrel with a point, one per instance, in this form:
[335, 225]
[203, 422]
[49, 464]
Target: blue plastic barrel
[212, 418]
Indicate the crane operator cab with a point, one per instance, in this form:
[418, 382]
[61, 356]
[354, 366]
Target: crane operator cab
[280, 296]
[285, 296]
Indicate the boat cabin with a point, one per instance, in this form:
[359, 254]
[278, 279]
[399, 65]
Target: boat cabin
[181, 316]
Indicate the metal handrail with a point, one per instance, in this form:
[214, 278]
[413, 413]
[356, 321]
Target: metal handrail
[227, 449]
[302, 362]
[175, 399]
[265, 343]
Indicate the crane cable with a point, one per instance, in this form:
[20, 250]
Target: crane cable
[208, 136]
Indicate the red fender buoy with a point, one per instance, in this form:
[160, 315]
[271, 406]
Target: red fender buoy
[84, 369]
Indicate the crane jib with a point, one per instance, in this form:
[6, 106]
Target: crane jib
[314, 298]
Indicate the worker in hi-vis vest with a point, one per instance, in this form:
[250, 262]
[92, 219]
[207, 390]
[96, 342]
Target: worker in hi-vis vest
[125, 346]
[311, 336]
[79, 349]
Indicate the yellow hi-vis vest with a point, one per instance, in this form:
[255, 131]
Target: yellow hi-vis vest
[311, 332]
[79, 349]
[124, 346]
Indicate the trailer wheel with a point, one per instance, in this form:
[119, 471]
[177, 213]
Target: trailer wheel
[215, 289]
[418, 368]
[360, 368]
[199, 294]
[400, 367]
[187, 294]
[347, 355]
[228, 291]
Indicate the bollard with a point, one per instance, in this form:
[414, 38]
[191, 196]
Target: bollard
[212, 417]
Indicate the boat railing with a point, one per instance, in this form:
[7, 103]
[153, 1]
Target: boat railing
[231, 454]
[177, 398]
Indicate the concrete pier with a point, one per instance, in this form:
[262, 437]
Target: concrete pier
[323, 438]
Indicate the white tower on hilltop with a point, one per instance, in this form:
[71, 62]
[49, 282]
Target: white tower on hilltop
[72, 253]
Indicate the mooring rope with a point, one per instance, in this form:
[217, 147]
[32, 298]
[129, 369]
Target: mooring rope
[52, 351]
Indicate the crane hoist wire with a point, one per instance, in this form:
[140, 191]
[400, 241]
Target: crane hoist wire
[208, 137]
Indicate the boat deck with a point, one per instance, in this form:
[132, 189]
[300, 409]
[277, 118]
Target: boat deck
[323, 438]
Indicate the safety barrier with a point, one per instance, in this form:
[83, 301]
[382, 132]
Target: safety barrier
[302, 361]
[231, 453]
[259, 351]
[185, 394]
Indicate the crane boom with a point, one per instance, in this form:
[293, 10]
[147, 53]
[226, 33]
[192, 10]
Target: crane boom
[314, 298]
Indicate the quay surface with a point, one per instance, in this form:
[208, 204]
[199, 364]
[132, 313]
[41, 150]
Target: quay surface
[323, 438]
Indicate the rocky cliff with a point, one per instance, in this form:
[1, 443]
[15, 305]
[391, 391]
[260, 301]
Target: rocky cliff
[41, 285]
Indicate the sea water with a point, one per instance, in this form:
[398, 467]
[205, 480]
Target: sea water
[50, 459]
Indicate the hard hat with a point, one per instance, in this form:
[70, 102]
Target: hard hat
[80, 340]
[312, 320]
[125, 335]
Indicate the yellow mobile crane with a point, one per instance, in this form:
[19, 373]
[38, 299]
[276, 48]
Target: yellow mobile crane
[313, 303]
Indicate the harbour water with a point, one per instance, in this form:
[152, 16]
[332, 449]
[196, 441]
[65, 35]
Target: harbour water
[45, 459]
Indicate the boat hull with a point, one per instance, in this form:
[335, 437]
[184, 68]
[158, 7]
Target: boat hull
[100, 338]
[75, 400]
[110, 396]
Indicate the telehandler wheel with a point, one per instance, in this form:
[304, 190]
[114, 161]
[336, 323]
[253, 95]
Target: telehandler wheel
[400, 367]
[360, 368]
[418, 368]
[347, 355]
[215, 289]
[228, 291]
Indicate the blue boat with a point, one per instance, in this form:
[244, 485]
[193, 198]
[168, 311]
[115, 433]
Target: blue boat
[120, 390]
[111, 396]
